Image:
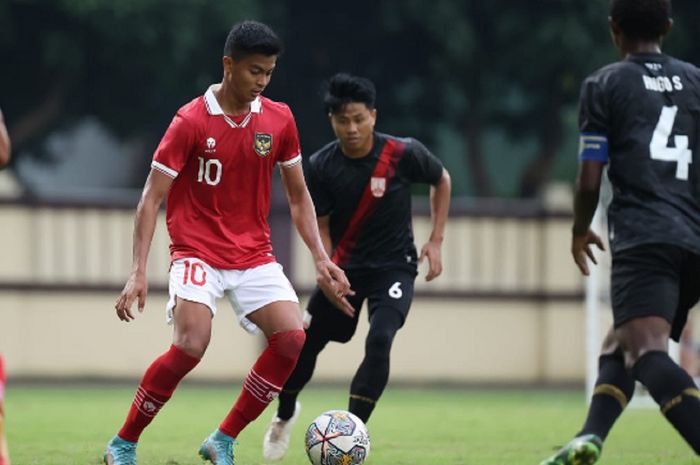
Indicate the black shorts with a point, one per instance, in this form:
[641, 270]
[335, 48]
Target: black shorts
[385, 291]
[655, 280]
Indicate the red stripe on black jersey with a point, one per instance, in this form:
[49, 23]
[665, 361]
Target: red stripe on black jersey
[385, 168]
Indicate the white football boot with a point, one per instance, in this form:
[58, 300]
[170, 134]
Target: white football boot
[276, 440]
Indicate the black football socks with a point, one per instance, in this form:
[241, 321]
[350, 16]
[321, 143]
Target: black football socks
[613, 390]
[675, 392]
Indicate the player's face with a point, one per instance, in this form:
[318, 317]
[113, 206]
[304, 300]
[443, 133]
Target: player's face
[353, 126]
[249, 75]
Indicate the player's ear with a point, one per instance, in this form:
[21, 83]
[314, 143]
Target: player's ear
[227, 62]
[615, 31]
[669, 26]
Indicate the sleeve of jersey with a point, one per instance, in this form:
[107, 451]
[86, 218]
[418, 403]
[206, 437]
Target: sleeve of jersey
[425, 167]
[290, 150]
[593, 123]
[175, 147]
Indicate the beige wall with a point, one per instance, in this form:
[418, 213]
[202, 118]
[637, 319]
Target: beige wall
[451, 338]
[51, 334]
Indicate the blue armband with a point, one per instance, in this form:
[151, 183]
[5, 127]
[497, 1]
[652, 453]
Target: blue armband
[593, 146]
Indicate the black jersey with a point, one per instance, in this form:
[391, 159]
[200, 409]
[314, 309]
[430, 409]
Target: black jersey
[369, 200]
[646, 109]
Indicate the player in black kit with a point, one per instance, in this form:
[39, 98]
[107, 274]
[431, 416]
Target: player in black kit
[361, 186]
[641, 116]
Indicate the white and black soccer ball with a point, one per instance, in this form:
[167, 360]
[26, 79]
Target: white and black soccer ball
[337, 437]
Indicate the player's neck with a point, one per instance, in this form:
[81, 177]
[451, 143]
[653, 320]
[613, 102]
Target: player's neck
[228, 102]
[359, 152]
[630, 47]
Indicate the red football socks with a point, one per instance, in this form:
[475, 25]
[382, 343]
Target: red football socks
[265, 380]
[158, 384]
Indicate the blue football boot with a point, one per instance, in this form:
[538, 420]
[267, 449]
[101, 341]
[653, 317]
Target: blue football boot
[120, 452]
[218, 448]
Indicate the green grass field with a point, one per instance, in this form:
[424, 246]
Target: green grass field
[66, 426]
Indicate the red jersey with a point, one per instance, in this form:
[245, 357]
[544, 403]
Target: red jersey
[219, 201]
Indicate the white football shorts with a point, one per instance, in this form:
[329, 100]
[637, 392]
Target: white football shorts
[247, 290]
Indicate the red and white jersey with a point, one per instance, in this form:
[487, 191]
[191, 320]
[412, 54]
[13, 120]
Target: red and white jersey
[219, 201]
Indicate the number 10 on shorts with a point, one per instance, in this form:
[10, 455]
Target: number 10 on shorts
[195, 273]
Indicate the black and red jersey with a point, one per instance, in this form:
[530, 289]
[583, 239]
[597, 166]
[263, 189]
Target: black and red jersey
[369, 200]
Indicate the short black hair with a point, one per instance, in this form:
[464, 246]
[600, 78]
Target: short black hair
[641, 19]
[344, 88]
[250, 38]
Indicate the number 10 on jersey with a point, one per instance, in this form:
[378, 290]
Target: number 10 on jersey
[659, 149]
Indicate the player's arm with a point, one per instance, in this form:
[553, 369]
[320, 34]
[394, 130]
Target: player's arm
[439, 206]
[324, 229]
[331, 279]
[5, 145]
[586, 194]
[136, 287]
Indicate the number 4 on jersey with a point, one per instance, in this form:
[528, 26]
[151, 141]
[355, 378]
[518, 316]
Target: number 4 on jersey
[659, 149]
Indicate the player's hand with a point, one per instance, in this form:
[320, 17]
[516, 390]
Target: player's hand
[341, 303]
[334, 285]
[581, 248]
[136, 288]
[431, 250]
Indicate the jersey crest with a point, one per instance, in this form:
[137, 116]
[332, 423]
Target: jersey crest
[263, 143]
[378, 186]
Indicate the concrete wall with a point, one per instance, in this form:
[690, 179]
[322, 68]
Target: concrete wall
[56, 334]
[506, 309]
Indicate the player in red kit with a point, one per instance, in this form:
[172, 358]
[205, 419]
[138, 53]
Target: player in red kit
[215, 164]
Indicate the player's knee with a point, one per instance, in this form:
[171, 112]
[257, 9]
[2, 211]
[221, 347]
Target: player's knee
[343, 338]
[288, 344]
[633, 356]
[379, 341]
[192, 344]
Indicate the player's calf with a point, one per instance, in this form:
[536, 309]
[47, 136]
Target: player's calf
[675, 392]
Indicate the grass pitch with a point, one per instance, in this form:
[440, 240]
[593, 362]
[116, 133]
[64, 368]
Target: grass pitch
[66, 426]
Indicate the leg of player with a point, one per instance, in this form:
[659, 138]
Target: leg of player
[4, 451]
[646, 350]
[373, 373]
[191, 335]
[613, 390]
[327, 324]
[276, 439]
[281, 323]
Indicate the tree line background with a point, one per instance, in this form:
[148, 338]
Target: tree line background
[490, 86]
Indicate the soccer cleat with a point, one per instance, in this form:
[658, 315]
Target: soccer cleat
[276, 440]
[217, 448]
[583, 450]
[120, 452]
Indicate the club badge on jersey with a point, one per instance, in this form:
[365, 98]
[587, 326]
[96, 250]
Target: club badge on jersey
[263, 143]
[378, 186]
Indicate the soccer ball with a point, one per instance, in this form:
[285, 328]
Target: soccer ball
[337, 437]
